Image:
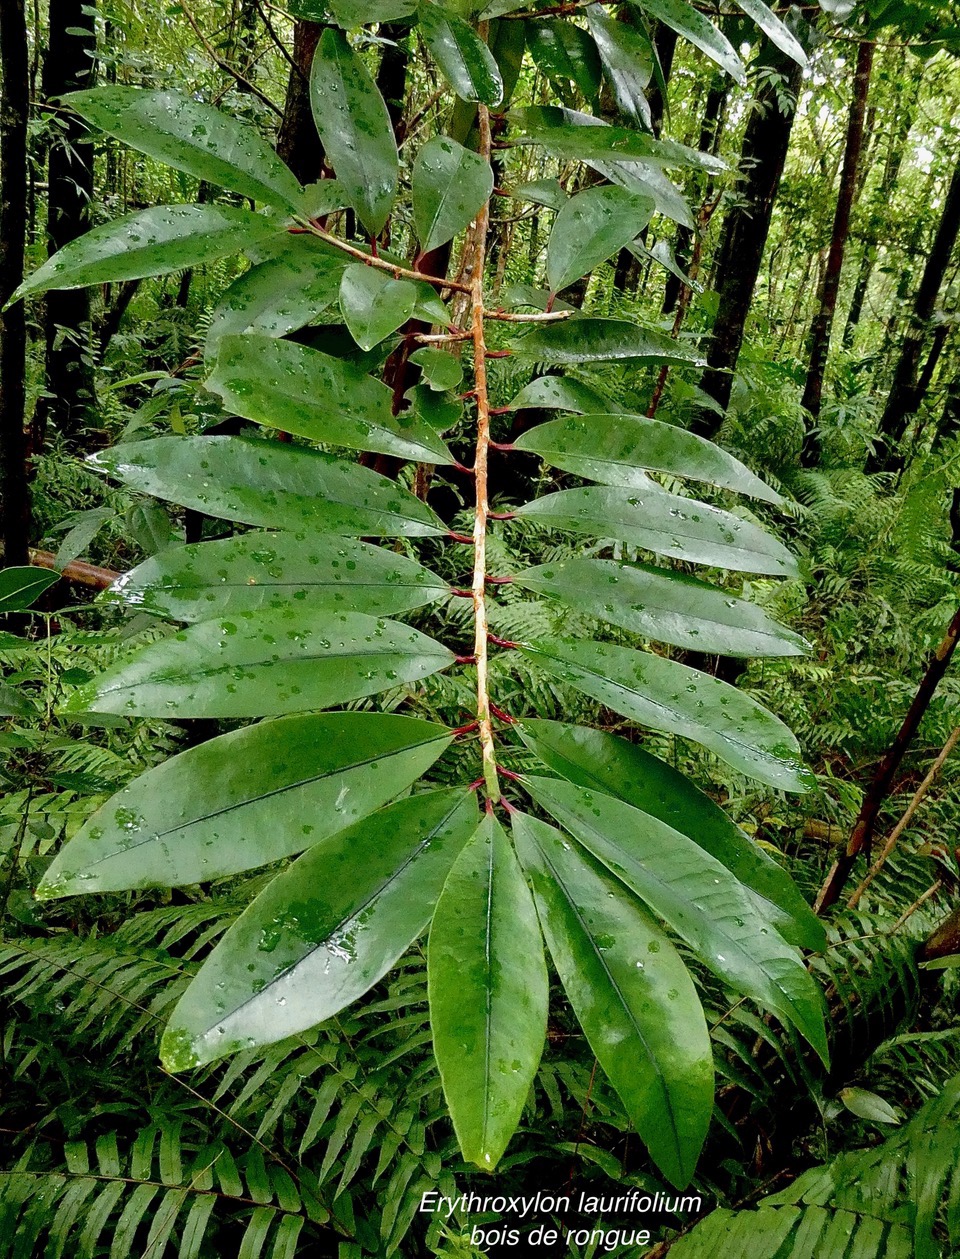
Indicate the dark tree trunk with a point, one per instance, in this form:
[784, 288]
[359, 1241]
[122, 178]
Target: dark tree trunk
[298, 142]
[745, 235]
[392, 74]
[905, 394]
[820, 329]
[14, 109]
[665, 44]
[69, 67]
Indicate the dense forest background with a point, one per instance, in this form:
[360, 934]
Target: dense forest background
[814, 267]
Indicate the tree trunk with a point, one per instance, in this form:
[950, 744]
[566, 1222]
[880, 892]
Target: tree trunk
[14, 109]
[298, 142]
[819, 340]
[905, 395]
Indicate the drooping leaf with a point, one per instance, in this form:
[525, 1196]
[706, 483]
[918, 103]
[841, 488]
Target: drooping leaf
[557, 393]
[545, 192]
[590, 227]
[269, 571]
[373, 304]
[270, 484]
[667, 525]
[448, 186]
[696, 896]
[291, 387]
[245, 799]
[775, 30]
[355, 128]
[610, 448]
[583, 339]
[692, 25]
[152, 242]
[22, 585]
[608, 763]
[464, 59]
[663, 604]
[561, 50]
[261, 664]
[631, 993]
[669, 696]
[627, 62]
[440, 369]
[488, 993]
[322, 932]
[192, 137]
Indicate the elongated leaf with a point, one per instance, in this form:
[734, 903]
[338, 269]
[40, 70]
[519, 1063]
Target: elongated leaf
[667, 525]
[631, 993]
[466, 62]
[271, 484]
[245, 799]
[778, 34]
[355, 128]
[22, 585]
[692, 25]
[561, 50]
[152, 242]
[373, 305]
[488, 993]
[590, 227]
[696, 896]
[354, 13]
[449, 185]
[440, 369]
[191, 137]
[557, 393]
[585, 340]
[322, 932]
[289, 386]
[663, 604]
[609, 448]
[627, 62]
[665, 695]
[258, 571]
[608, 763]
[263, 663]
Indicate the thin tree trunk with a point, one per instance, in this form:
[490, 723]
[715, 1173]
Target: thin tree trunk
[14, 112]
[298, 142]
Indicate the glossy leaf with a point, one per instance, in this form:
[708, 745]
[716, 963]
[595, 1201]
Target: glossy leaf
[245, 799]
[488, 993]
[557, 393]
[582, 339]
[631, 993]
[610, 448]
[271, 484]
[627, 62]
[775, 30]
[663, 604]
[693, 26]
[323, 931]
[22, 585]
[152, 242]
[645, 178]
[464, 59]
[374, 305]
[261, 664]
[561, 50]
[667, 525]
[441, 370]
[289, 386]
[590, 227]
[190, 136]
[270, 571]
[696, 896]
[545, 192]
[669, 696]
[448, 186]
[441, 410]
[354, 13]
[323, 197]
[355, 129]
[608, 763]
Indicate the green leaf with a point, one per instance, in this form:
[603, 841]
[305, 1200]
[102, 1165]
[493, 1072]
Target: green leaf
[663, 604]
[560, 393]
[590, 227]
[610, 448]
[867, 1105]
[261, 664]
[488, 994]
[466, 62]
[270, 484]
[561, 50]
[441, 411]
[631, 993]
[545, 192]
[605, 762]
[192, 137]
[441, 370]
[692, 25]
[353, 13]
[322, 198]
[245, 799]
[672, 697]
[374, 305]
[778, 34]
[152, 242]
[355, 129]
[260, 571]
[323, 932]
[20, 586]
[667, 525]
[291, 387]
[696, 896]
[449, 185]
[582, 339]
[12, 703]
[627, 62]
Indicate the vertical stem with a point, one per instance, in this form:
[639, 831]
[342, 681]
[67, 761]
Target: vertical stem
[479, 588]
